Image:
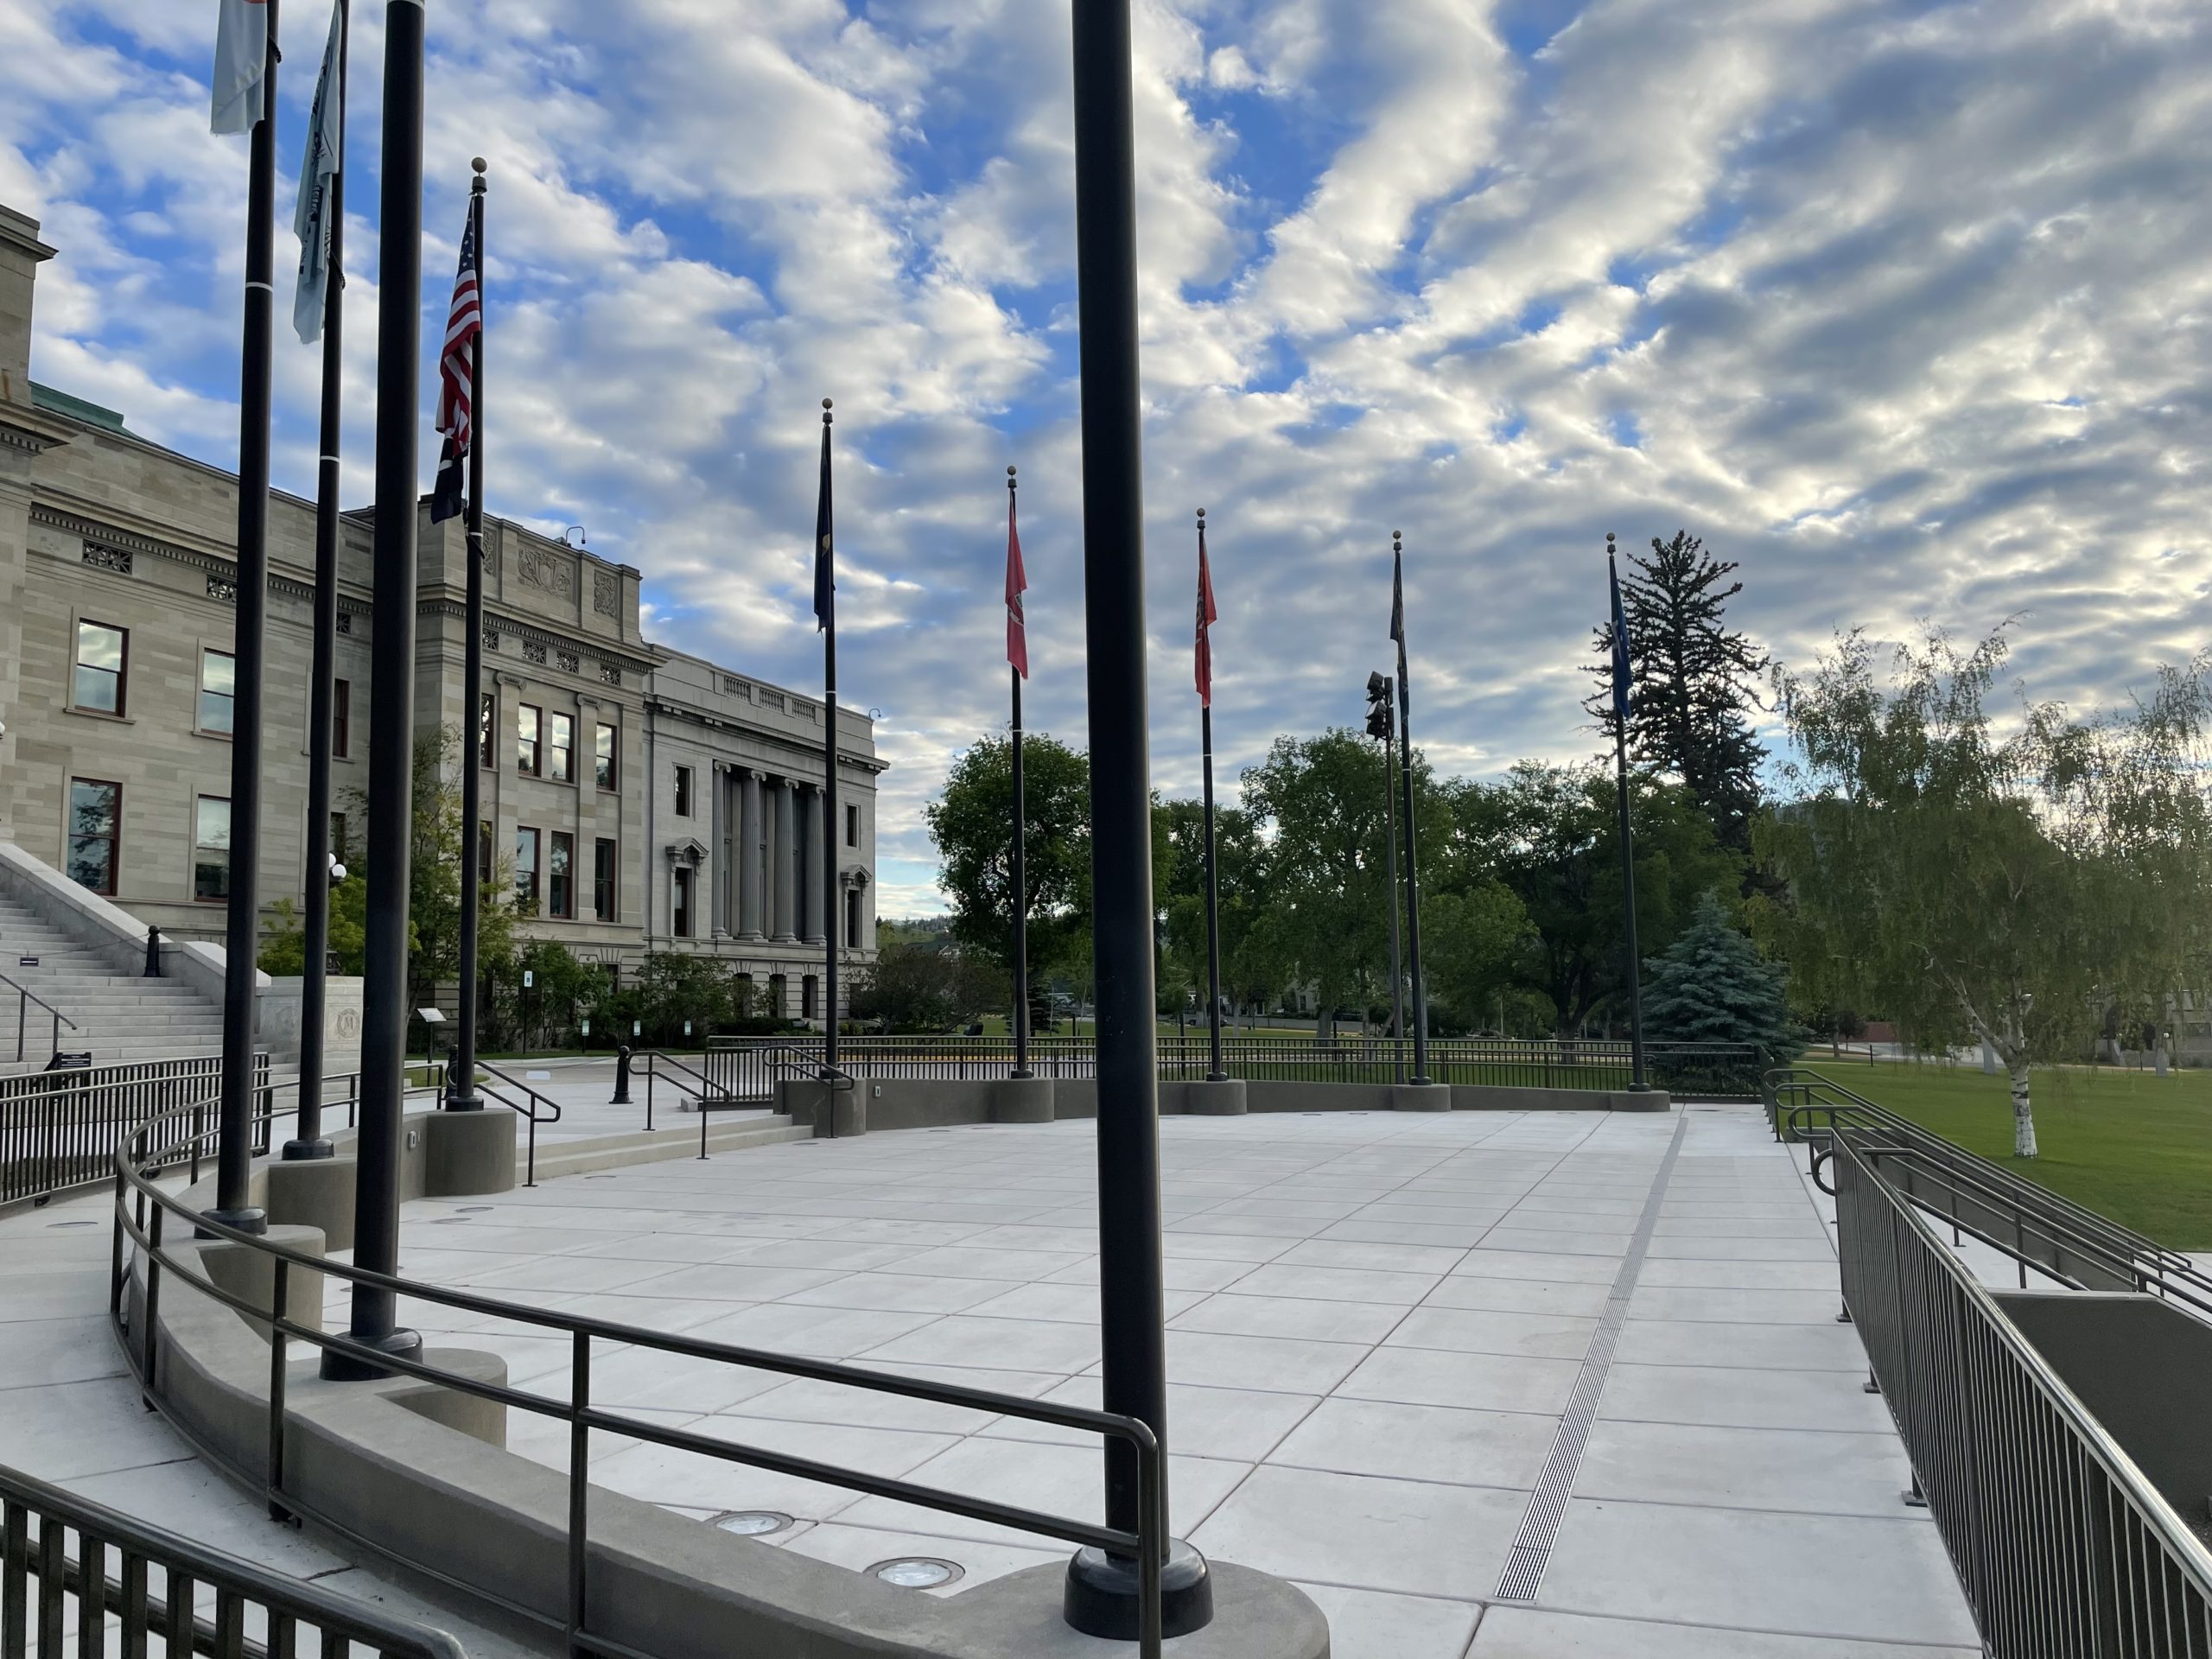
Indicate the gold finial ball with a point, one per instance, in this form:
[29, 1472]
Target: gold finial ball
[478, 164]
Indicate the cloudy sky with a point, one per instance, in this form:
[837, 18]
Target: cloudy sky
[1908, 307]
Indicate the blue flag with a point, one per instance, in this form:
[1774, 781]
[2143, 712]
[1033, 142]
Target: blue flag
[1620, 646]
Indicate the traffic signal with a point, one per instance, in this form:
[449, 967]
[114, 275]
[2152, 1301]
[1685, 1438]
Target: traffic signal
[1381, 720]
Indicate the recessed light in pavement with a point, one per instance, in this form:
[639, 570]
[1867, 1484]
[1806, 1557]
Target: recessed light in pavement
[751, 1524]
[918, 1572]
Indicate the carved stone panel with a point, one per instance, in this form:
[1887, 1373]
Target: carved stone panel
[607, 593]
[554, 572]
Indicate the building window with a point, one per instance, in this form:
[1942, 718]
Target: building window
[103, 668]
[218, 692]
[603, 756]
[526, 870]
[95, 824]
[485, 756]
[528, 759]
[564, 748]
[338, 837]
[341, 718]
[604, 893]
[680, 921]
[684, 791]
[809, 990]
[560, 888]
[852, 826]
[852, 919]
[211, 849]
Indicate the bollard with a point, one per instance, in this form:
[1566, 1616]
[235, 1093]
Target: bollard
[621, 1077]
[153, 953]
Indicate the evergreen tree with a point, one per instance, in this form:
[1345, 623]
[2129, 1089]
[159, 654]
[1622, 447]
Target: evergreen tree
[1711, 986]
[1692, 681]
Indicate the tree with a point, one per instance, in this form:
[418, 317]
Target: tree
[922, 988]
[1711, 986]
[1552, 835]
[971, 825]
[1241, 858]
[2018, 888]
[1691, 681]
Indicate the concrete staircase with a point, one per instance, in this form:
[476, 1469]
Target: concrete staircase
[119, 1016]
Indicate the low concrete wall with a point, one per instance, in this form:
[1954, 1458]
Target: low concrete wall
[418, 1471]
[441, 1155]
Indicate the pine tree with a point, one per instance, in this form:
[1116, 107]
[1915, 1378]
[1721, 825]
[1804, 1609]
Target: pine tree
[1693, 681]
[1711, 986]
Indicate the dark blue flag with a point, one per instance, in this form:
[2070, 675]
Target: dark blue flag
[1620, 646]
[825, 581]
[1398, 603]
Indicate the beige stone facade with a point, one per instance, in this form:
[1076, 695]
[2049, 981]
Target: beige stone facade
[113, 547]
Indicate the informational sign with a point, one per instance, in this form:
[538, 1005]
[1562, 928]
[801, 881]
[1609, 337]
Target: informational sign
[431, 1016]
[25, 962]
[529, 977]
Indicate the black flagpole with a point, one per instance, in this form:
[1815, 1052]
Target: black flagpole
[1103, 1593]
[392, 724]
[322, 694]
[1020, 883]
[834, 922]
[1637, 1082]
[1412, 861]
[242, 921]
[1215, 1072]
[461, 1090]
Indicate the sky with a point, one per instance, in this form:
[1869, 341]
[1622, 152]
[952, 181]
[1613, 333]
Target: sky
[1905, 306]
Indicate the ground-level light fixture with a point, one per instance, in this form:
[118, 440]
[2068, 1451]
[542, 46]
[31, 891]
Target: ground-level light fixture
[751, 1523]
[918, 1572]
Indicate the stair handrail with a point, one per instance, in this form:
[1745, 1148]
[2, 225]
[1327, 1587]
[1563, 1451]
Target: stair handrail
[529, 1114]
[24, 997]
[1815, 1122]
[336, 1619]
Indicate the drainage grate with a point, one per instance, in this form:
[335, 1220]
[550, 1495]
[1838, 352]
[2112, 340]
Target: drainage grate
[1532, 1546]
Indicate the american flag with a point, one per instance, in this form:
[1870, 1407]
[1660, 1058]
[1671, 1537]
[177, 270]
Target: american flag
[1017, 583]
[1202, 663]
[457, 376]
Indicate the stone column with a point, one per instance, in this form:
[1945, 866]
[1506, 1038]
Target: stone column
[752, 853]
[718, 883]
[785, 868]
[810, 891]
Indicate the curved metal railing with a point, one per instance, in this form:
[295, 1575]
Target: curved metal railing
[141, 1209]
[50, 1589]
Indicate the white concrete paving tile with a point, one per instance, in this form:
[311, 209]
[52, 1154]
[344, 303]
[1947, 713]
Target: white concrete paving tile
[1013, 1344]
[815, 1332]
[1177, 1273]
[38, 1353]
[1240, 1424]
[1815, 1276]
[1372, 1286]
[1799, 1469]
[1657, 1561]
[1070, 1304]
[1724, 1305]
[1519, 1296]
[664, 1475]
[1599, 1245]
[740, 1281]
[63, 1431]
[1367, 1533]
[1510, 1632]
[901, 1293]
[1283, 1365]
[1373, 1624]
[825, 1251]
[1741, 1397]
[965, 1261]
[1808, 1249]
[1426, 1377]
[1490, 1330]
[1232, 1312]
[569, 1274]
[1434, 1443]
[649, 1377]
[1491, 1261]
[1428, 1259]
[861, 1547]
[1825, 1346]
[1223, 1247]
[1456, 1236]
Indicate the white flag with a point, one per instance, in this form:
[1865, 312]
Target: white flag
[241, 66]
[311, 219]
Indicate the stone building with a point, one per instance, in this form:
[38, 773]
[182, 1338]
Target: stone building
[649, 800]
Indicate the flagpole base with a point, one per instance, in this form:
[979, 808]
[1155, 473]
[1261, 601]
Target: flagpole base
[1102, 1594]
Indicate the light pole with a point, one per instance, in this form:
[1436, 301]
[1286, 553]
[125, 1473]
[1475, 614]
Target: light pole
[1382, 725]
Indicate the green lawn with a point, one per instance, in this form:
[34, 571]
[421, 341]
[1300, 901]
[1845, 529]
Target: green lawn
[2131, 1145]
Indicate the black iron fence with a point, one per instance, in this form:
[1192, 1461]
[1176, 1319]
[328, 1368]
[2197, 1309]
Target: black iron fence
[2062, 1545]
[59, 1130]
[144, 1213]
[742, 1069]
[79, 1580]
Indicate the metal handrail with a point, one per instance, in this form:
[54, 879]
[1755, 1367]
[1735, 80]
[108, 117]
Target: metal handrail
[141, 1205]
[2061, 1544]
[41, 1557]
[24, 997]
[792, 1062]
[529, 1114]
[1846, 1107]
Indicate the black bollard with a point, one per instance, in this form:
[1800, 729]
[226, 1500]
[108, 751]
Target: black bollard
[621, 1077]
[153, 953]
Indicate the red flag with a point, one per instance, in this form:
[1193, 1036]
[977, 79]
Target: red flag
[1017, 583]
[1202, 656]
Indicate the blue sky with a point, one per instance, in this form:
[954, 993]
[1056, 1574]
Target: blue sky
[1908, 307]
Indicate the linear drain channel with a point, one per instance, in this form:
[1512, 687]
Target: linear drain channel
[1532, 1546]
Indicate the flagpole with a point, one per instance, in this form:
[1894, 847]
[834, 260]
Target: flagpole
[1215, 1072]
[322, 694]
[1020, 831]
[1102, 1592]
[392, 727]
[1412, 862]
[834, 921]
[242, 920]
[1637, 1082]
[460, 1088]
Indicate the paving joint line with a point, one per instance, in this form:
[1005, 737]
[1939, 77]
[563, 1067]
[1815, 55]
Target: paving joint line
[1532, 1548]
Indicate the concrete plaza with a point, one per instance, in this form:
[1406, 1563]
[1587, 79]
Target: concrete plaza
[1378, 1324]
